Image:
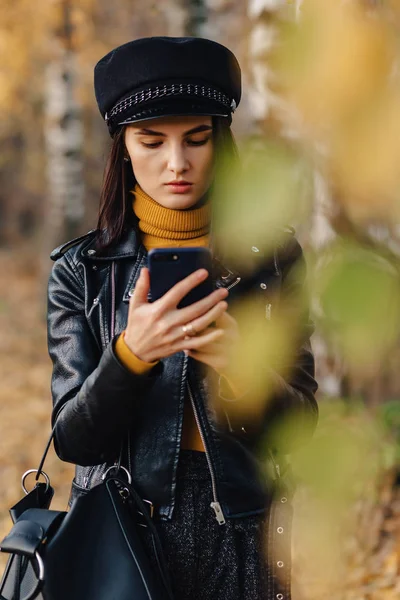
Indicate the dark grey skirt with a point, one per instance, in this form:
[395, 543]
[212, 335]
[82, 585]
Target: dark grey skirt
[208, 561]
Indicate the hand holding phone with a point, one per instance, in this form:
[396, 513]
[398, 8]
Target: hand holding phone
[155, 329]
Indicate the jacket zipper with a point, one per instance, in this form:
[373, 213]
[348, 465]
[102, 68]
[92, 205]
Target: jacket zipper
[231, 285]
[215, 505]
[88, 476]
[129, 454]
[228, 287]
[86, 479]
[112, 300]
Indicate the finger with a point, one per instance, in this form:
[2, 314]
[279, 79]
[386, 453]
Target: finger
[216, 348]
[213, 315]
[227, 321]
[141, 290]
[200, 324]
[180, 289]
[221, 338]
[196, 342]
[199, 308]
[212, 360]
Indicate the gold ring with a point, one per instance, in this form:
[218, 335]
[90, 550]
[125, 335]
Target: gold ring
[188, 329]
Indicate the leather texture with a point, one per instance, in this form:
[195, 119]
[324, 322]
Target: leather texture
[24, 538]
[39, 497]
[94, 551]
[280, 518]
[103, 403]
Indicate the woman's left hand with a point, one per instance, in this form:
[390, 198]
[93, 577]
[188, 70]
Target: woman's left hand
[218, 354]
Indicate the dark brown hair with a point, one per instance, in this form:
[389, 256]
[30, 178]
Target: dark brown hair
[115, 212]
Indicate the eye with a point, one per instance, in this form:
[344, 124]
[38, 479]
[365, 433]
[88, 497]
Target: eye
[152, 145]
[198, 142]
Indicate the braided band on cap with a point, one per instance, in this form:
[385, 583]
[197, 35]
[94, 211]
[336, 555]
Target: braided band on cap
[179, 89]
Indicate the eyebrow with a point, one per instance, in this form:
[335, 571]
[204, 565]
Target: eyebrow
[198, 129]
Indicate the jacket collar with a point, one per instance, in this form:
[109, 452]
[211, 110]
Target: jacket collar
[127, 247]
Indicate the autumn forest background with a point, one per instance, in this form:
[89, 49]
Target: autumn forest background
[319, 134]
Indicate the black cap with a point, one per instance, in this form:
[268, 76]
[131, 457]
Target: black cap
[162, 76]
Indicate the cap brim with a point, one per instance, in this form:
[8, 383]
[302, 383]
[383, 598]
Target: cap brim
[173, 109]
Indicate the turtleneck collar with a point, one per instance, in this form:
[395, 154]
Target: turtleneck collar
[169, 223]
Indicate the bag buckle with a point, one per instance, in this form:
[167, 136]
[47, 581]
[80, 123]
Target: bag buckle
[151, 511]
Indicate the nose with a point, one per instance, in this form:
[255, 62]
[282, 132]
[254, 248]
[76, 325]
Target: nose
[177, 159]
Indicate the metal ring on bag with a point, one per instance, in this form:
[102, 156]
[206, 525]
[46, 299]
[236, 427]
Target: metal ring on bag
[41, 565]
[25, 475]
[118, 468]
[34, 593]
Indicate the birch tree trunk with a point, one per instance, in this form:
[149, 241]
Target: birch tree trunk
[197, 14]
[261, 39]
[225, 22]
[63, 137]
[265, 104]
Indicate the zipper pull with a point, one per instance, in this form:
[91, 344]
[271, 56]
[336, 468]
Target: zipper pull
[218, 512]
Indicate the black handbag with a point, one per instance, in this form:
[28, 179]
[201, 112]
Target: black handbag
[94, 551]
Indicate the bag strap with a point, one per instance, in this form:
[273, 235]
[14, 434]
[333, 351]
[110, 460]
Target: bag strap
[28, 533]
[158, 550]
[157, 546]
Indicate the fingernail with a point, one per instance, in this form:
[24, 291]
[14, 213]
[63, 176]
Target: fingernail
[186, 352]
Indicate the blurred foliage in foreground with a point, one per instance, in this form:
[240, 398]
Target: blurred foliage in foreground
[337, 71]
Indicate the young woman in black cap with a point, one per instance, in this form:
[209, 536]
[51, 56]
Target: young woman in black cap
[126, 369]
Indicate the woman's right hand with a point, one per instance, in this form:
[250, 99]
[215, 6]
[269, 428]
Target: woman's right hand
[154, 329]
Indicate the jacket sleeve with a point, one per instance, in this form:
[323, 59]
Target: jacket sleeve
[291, 389]
[94, 395]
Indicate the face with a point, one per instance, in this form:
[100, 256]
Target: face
[172, 149]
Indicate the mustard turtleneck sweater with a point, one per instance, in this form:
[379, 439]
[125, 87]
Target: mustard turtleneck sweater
[165, 227]
[170, 227]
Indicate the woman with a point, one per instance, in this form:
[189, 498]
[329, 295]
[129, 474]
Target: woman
[142, 374]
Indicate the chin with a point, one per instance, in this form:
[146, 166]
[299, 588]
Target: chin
[180, 202]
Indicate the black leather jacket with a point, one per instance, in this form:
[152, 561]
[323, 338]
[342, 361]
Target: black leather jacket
[98, 403]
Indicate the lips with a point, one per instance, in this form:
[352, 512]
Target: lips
[183, 183]
[180, 187]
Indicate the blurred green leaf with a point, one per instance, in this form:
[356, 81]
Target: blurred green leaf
[349, 449]
[272, 190]
[359, 295]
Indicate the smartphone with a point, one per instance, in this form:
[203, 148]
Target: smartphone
[167, 266]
